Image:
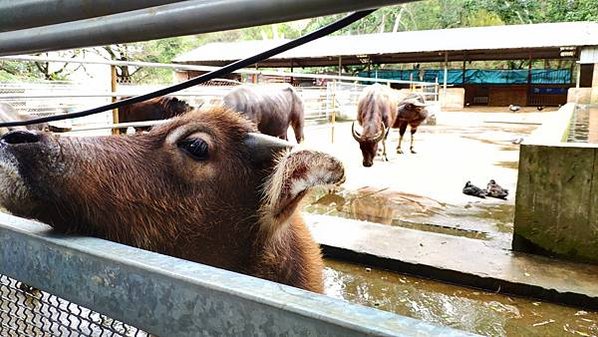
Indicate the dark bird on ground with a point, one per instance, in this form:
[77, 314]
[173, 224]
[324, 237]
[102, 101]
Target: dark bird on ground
[517, 140]
[494, 190]
[514, 108]
[473, 190]
[540, 107]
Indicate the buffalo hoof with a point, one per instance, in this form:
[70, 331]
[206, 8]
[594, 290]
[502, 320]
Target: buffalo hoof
[413, 151]
[399, 151]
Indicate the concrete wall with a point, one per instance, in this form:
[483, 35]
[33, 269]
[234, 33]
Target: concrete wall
[579, 95]
[594, 95]
[454, 99]
[557, 201]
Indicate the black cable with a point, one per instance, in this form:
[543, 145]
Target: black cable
[331, 28]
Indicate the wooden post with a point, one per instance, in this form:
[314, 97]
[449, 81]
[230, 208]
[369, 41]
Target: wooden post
[529, 82]
[463, 72]
[292, 78]
[113, 90]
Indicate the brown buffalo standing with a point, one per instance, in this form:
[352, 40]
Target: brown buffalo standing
[412, 112]
[376, 113]
[203, 187]
[272, 108]
[153, 109]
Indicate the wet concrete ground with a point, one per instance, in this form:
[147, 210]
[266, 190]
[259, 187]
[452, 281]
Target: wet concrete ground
[424, 190]
[481, 312]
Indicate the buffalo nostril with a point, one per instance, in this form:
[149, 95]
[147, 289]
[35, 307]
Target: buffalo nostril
[20, 137]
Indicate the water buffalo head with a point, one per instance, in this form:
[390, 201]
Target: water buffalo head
[369, 144]
[203, 187]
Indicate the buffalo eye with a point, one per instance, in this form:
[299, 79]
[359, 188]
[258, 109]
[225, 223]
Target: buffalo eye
[197, 148]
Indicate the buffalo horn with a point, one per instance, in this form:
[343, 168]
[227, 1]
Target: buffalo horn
[382, 133]
[356, 134]
[264, 148]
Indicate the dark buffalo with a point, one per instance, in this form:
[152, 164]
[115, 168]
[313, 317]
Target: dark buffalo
[204, 187]
[271, 107]
[411, 111]
[154, 109]
[376, 113]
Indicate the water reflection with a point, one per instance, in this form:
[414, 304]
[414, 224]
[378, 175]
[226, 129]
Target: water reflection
[487, 221]
[461, 308]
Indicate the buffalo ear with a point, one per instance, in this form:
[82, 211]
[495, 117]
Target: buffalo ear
[293, 176]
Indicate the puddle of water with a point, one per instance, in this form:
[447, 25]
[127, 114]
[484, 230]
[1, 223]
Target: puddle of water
[484, 221]
[476, 311]
[514, 165]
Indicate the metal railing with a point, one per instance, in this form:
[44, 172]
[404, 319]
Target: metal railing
[336, 96]
[128, 287]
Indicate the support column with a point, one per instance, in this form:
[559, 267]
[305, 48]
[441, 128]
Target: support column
[444, 83]
[113, 86]
[577, 77]
[594, 94]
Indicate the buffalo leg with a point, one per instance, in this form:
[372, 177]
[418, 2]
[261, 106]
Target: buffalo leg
[384, 157]
[413, 131]
[402, 129]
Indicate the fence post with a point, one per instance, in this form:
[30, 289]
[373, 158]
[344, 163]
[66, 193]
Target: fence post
[113, 90]
[333, 119]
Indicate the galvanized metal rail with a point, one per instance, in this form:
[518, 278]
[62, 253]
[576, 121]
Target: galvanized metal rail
[167, 296]
[34, 13]
[175, 19]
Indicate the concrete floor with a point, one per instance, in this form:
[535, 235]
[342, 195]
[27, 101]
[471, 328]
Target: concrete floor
[436, 231]
[424, 190]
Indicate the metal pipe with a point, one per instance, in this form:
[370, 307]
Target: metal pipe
[182, 18]
[166, 296]
[118, 125]
[24, 14]
[444, 83]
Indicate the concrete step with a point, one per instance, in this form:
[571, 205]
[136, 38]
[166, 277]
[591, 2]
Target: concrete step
[457, 260]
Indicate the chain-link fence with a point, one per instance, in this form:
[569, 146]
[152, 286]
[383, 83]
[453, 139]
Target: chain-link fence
[26, 311]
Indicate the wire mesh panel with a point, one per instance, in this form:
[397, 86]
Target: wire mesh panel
[25, 311]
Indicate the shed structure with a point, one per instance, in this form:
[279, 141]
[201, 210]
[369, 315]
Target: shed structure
[549, 41]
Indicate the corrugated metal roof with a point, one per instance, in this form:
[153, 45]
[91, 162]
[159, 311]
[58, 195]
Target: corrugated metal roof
[548, 35]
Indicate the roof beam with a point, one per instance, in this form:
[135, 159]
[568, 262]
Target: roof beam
[175, 19]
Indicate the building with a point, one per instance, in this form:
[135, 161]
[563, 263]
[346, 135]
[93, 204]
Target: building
[551, 41]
